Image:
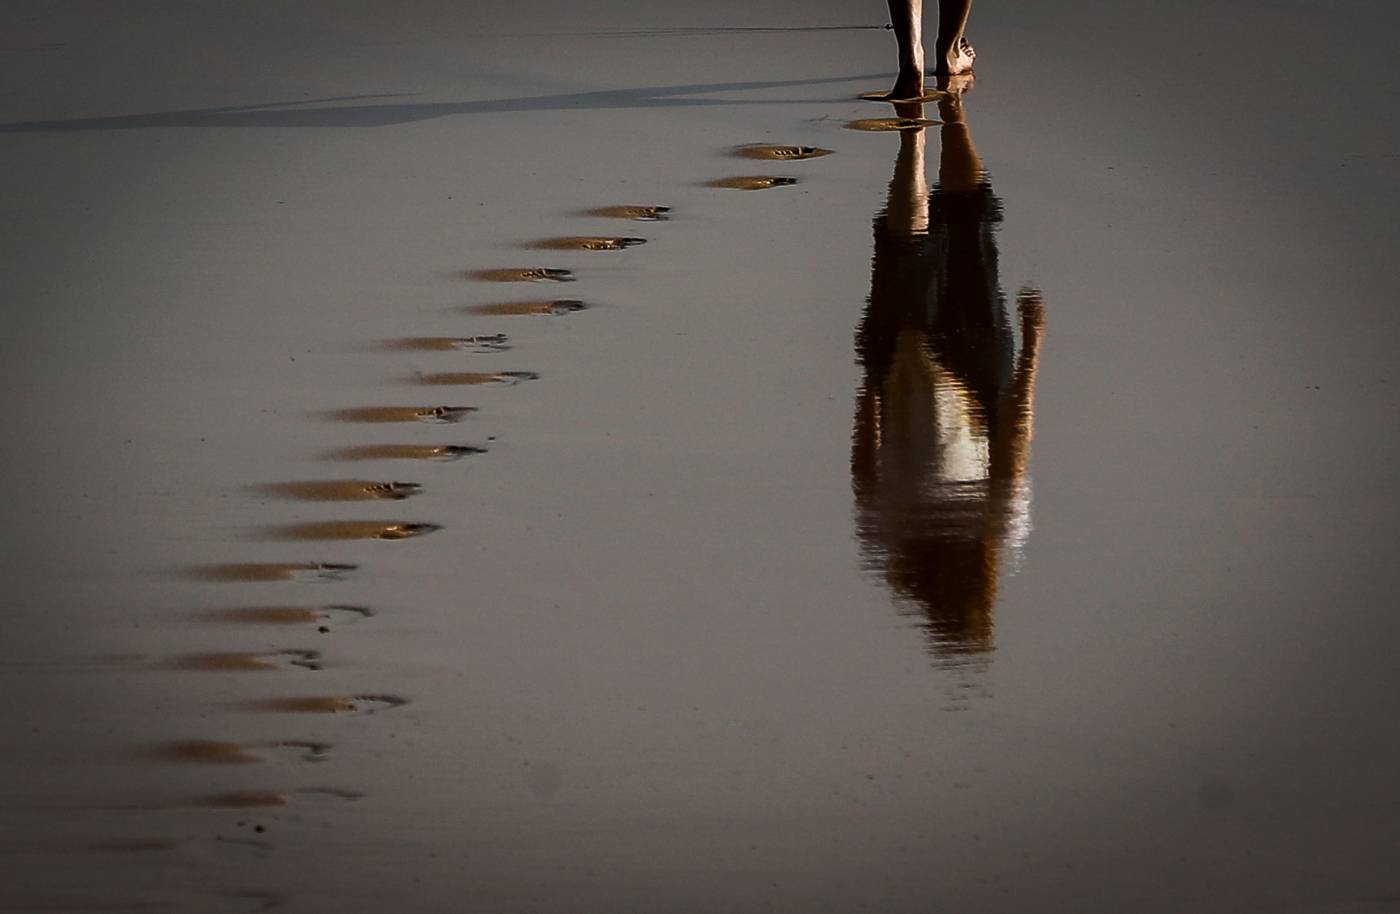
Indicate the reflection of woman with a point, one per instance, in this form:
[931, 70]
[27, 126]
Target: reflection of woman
[943, 420]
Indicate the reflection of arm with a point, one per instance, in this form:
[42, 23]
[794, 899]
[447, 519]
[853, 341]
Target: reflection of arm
[1010, 446]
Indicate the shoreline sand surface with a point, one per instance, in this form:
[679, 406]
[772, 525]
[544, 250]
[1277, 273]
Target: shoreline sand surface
[642, 664]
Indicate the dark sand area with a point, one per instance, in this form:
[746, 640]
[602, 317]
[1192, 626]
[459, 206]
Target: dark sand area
[746, 588]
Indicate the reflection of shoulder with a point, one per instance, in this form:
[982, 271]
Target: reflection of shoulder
[977, 206]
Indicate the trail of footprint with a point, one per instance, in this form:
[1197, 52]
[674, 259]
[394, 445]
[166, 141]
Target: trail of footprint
[431, 414]
[326, 704]
[321, 616]
[351, 530]
[553, 308]
[522, 274]
[485, 343]
[476, 378]
[251, 572]
[340, 490]
[586, 243]
[779, 153]
[634, 212]
[752, 182]
[439, 452]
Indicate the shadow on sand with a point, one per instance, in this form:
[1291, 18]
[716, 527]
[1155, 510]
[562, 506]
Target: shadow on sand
[295, 114]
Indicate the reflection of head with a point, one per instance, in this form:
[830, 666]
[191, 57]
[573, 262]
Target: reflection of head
[954, 583]
[941, 422]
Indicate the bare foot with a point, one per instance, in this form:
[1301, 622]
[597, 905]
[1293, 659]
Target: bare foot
[958, 59]
[908, 85]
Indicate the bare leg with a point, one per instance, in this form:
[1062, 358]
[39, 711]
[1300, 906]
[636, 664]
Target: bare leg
[907, 17]
[953, 53]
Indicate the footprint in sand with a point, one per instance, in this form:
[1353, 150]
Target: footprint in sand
[476, 378]
[340, 490]
[305, 572]
[552, 308]
[440, 452]
[635, 213]
[327, 704]
[264, 799]
[928, 96]
[586, 243]
[215, 752]
[351, 530]
[321, 616]
[891, 123]
[494, 342]
[205, 752]
[248, 662]
[522, 274]
[752, 182]
[212, 847]
[780, 153]
[431, 414]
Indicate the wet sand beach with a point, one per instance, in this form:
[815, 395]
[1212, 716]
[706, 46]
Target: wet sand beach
[513, 458]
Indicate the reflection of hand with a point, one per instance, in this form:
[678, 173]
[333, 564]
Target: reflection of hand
[1030, 306]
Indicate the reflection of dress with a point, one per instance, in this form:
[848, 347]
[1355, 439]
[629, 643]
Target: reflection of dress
[939, 358]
